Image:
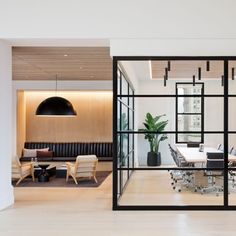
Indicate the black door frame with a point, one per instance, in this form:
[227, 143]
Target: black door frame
[225, 132]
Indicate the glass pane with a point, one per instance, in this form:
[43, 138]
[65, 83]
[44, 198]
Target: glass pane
[189, 89]
[185, 138]
[189, 105]
[131, 125]
[118, 115]
[124, 118]
[161, 187]
[214, 114]
[232, 114]
[189, 122]
[124, 87]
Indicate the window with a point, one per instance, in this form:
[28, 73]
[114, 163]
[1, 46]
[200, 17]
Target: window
[189, 112]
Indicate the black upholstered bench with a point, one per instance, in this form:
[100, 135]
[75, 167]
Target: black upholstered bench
[69, 151]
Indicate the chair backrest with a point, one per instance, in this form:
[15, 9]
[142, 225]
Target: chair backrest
[221, 148]
[174, 155]
[215, 160]
[192, 145]
[233, 152]
[89, 162]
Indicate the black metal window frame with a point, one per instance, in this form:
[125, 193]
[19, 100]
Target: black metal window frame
[225, 96]
[128, 105]
[187, 113]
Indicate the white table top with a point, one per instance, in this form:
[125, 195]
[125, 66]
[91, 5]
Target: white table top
[194, 156]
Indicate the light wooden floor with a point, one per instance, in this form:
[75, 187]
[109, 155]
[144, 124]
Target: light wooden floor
[44, 211]
[154, 188]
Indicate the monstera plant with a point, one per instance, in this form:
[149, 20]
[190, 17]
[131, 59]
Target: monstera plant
[156, 127]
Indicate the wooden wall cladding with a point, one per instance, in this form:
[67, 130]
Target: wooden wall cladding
[21, 122]
[93, 122]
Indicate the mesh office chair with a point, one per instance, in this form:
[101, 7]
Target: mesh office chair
[215, 161]
[180, 178]
[232, 173]
[221, 148]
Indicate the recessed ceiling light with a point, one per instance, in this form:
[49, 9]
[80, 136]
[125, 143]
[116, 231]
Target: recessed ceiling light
[65, 55]
[81, 67]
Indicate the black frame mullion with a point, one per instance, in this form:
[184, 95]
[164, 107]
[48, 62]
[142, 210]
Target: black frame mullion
[225, 132]
[226, 199]
[115, 143]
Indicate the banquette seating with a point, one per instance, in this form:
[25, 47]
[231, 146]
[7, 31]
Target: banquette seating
[69, 151]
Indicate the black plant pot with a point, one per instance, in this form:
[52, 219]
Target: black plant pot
[154, 159]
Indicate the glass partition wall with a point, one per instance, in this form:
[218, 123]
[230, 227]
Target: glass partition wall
[190, 136]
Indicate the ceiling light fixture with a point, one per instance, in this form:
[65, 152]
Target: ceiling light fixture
[65, 55]
[168, 66]
[208, 66]
[194, 80]
[222, 80]
[233, 73]
[166, 73]
[164, 80]
[55, 106]
[199, 73]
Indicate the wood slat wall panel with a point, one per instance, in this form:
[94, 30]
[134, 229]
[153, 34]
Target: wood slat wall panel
[92, 124]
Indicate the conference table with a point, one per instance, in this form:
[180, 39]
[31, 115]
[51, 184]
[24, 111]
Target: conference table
[192, 154]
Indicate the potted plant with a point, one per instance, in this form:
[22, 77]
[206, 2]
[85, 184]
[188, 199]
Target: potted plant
[156, 126]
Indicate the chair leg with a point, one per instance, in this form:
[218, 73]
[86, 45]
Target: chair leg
[19, 180]
[32, 174]
[67, 176]
[74, 178]
[95, 179]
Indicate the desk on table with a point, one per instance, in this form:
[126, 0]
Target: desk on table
[192, 155]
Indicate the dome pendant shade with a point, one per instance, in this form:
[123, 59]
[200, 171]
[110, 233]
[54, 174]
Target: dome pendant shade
[55, 106]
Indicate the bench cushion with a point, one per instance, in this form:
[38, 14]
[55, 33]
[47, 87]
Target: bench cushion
[69, 151]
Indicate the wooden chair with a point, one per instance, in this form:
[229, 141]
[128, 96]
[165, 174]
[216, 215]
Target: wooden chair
[24, 170]
[84, 167]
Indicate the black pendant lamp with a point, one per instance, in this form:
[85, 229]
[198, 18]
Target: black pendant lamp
[55, 106]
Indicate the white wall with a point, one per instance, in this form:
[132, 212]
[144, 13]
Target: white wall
[6, 190]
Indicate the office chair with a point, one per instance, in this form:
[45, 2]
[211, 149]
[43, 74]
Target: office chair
[215, 160]
[221, 148]
[232, 173]
[180, 178]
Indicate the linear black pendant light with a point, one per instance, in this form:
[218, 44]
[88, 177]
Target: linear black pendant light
[55, 106]
[168, 66]
[233, 73]
[199, 73]
[164, 80]
[222, 80]
[166, 73]
[208, 66]
[194, 81]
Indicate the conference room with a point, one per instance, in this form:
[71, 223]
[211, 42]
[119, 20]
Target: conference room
[175, 130]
